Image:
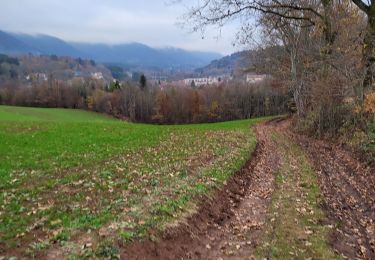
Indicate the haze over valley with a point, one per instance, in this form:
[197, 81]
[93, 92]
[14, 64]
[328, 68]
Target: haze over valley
[127, 54]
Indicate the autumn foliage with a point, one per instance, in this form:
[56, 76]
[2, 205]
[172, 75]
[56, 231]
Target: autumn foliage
[154, 104]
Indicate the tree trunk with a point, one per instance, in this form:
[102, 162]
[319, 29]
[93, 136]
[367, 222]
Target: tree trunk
[297, 85]
[369, 55]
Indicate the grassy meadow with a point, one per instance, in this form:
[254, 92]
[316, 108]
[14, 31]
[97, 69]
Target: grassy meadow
[68, 174]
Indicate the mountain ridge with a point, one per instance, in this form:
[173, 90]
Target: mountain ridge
[227, 65]
[132, 54]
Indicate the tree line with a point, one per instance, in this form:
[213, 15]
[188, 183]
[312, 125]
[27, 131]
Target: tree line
[153, 104]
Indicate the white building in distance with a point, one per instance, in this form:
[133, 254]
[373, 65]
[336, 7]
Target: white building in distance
[256, 78]
[97, 75]
[37, 76]
[202, 81]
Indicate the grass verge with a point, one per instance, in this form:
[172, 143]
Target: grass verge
[294, 229]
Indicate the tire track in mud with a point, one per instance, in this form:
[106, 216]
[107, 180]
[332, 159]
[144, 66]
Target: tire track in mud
[348, 188]
[230, 224]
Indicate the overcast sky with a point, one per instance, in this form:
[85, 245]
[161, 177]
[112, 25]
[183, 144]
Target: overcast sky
[152, 22]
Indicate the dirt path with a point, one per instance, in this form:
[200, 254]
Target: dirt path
[238, 237]
[348, 187]
[255, 215]
[229, 225]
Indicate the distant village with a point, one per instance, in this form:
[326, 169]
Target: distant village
[77, 70]
[44, 77]
[250, 78]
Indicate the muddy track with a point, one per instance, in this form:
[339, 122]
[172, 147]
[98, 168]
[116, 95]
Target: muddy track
[348, 188]
[228, 225]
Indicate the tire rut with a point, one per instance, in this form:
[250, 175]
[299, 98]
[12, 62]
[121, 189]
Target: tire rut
[228, 226]
[347, 185]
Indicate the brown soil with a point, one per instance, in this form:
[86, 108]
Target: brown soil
[228, 225]
[348, 187]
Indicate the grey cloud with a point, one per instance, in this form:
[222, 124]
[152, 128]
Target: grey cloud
[109, 21]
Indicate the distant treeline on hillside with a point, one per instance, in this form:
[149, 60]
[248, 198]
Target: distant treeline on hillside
[29, 68]
[162, 105]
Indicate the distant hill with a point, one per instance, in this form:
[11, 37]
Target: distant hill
[140, 55]
[227, 65]
[28, 68]
[11, 45]
[135, 55]
[48, 45]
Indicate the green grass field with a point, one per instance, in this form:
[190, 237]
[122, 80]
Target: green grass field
[66, 173]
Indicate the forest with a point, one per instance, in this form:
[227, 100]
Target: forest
[154, 104]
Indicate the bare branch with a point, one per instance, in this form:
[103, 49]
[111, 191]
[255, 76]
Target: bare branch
[361, 5]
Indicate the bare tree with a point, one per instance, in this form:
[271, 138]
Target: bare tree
[287, 20]
[368, 7]
[320, 37]
[294, 37]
